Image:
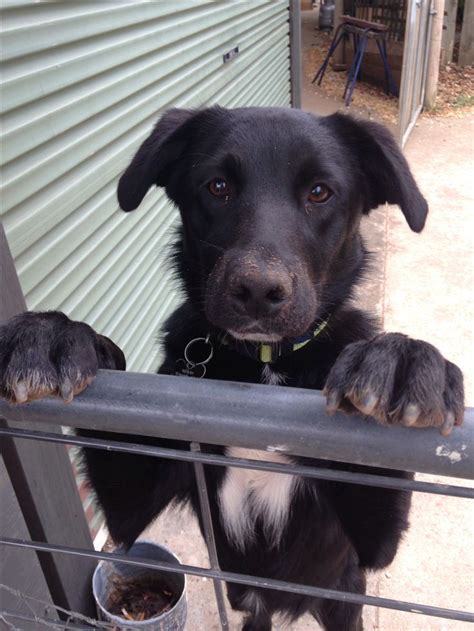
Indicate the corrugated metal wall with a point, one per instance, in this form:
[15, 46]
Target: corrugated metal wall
[83, 84]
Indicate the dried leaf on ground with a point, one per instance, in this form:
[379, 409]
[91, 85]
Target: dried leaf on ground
[455, 92]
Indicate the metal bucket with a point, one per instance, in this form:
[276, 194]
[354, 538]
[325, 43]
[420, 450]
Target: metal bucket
[172, 620]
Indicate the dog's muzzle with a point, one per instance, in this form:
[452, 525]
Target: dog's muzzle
[256, 296]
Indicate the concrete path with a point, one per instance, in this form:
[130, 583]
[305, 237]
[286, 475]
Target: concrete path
[427, 293]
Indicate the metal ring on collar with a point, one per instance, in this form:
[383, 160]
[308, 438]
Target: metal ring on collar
[190, 343]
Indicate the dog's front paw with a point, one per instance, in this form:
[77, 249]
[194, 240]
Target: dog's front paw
[397, 380]
[44, 354]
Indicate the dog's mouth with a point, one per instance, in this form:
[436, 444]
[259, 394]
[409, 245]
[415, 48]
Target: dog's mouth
[254, 335]
[290, 322]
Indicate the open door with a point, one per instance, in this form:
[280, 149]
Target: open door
[415, 62]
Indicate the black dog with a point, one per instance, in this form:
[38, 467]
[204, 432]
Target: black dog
[269, 253]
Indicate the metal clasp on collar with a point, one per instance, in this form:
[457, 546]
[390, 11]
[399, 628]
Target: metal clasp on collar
[191, 368]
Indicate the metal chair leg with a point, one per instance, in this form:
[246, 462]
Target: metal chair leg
[334, 44]
[350, 75]
[385, 66]
[392, 86]
[350, 72]
[353, 79]
[356, 44]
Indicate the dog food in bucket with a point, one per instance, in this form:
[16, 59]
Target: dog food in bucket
[139, 598]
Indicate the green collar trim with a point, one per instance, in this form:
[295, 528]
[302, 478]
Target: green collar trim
[268, 353]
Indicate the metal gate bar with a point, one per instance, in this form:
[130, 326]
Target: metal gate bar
[209, 534]
[275, 418]
[253, 581]
[320, 473]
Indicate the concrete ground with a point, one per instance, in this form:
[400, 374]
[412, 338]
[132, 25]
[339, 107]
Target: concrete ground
[427, 293]
[422, 286]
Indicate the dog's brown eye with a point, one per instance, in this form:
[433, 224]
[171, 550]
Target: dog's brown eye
[319, 194]
[218, 187]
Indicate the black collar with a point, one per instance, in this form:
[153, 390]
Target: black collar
[268, 353]
[200, 350]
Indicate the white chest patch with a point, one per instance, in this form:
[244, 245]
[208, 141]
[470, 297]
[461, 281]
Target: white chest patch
[247, 495]
[271, 377]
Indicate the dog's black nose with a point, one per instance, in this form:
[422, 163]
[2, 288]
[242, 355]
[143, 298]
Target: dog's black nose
[260, 295]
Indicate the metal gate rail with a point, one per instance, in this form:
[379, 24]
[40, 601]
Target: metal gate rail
[275, 418]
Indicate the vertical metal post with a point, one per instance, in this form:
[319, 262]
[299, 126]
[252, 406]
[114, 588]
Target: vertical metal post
[44, 486]
[295, 53]
[415, 56]
[209, 534]
[405, 101]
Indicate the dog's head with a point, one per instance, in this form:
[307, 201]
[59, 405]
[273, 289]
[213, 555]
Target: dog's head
[271, 201]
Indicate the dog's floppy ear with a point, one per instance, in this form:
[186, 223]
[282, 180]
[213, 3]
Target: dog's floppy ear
[154, 159]
[387, 174]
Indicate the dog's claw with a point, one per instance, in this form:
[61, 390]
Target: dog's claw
[20, 391]
[367, 404]
[333, 401]
[67, 390]
[447, 426]
[411, 415]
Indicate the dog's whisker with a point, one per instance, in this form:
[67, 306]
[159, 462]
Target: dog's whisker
[212, 245]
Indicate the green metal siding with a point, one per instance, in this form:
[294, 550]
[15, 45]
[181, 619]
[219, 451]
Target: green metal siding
[83, 84]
